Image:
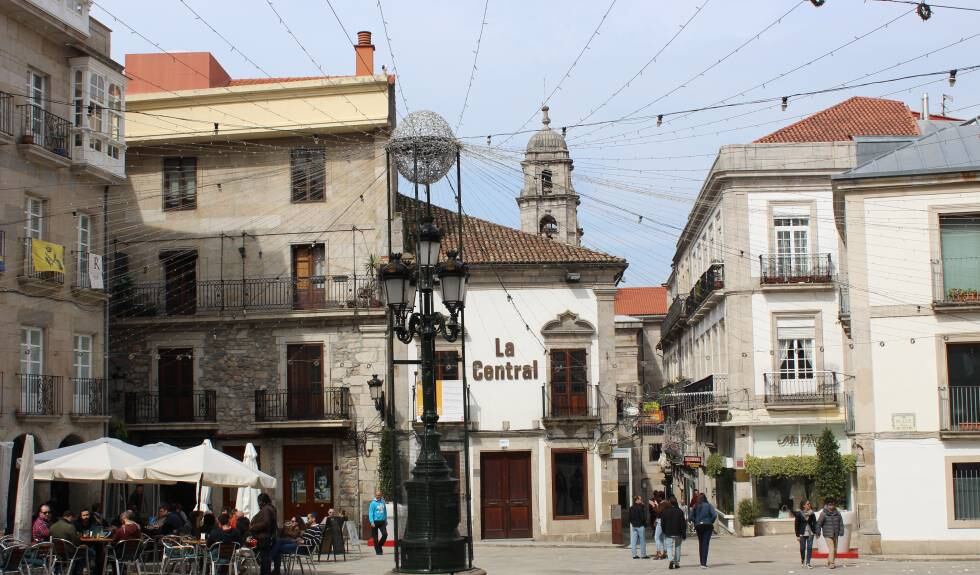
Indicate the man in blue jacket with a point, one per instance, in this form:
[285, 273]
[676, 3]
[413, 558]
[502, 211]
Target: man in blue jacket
[378, 517]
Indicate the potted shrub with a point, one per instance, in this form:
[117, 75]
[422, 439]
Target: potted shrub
[748, 512]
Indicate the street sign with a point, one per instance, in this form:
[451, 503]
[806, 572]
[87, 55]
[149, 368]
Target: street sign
[692, 461]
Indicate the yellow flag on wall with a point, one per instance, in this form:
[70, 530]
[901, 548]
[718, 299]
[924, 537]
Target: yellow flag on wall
[47, 257]
[418, 397]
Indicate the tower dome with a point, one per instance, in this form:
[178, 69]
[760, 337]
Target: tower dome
[546, 139]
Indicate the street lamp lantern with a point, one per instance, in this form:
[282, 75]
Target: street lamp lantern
[430, 242]
[453, 276]
[377, 394]
[396, 280]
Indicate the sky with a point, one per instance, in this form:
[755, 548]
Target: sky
[590, 61]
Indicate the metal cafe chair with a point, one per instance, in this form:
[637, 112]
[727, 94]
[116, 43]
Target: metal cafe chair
[177, 557]
[12, 559]
[222, 555]
[38, 557]
[64, 554]
[125, 555]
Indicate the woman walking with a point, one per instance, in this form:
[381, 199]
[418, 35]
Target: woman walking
[806, 530]
[704, 516]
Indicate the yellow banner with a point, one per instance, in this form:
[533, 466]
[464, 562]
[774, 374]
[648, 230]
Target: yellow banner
[47, 257]
[418, 398]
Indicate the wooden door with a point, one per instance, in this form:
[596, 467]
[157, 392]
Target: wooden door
[180, 287]
[175, 384]
[304, 381]
[569, 383]
[309, 282]
[505, 495]
[308, 472]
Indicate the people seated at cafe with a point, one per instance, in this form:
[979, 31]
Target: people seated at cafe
[130, 529]
[41, 525]
[96, 515]
[242, 525]
[64, 528]
[85, 524]
[223, 533]
[290, 538]
[172, 523]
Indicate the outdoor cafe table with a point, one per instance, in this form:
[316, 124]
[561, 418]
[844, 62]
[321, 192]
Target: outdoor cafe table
[98, 543]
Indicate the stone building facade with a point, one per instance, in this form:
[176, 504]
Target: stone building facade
[62, 154]
[245, 305]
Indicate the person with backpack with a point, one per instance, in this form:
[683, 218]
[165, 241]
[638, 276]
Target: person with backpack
[704, 516]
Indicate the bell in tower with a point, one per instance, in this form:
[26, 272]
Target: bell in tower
[548, 202]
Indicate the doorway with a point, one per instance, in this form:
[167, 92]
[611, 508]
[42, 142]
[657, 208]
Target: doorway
[304, 381]
[308, 473]
[308, 277]
[505, 495]
[180, 289]
[175, 384]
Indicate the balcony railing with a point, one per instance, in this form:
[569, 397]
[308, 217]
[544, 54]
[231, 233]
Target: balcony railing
[816, 388]
[147, 408]
[844, 303]
[966, 288]
[88, 396]
[313, 405]
[259, 294]
[960, 408]
[29, 270]
[710, 281]
[81, 278]
[7, 113]
[44, 129]
[675, 314]
[39, 394]
[577, 404]
[778, 269]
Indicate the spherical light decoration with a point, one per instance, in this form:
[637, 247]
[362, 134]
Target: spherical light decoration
[424, 147]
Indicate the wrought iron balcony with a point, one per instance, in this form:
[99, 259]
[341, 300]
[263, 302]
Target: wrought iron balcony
[571, 403]
[960, 408]
[787, 269]
[30, 272]
[676, 313]
[712, 280]
[40, 395]
[258, 294]
[151, 408]
[88, 396]
[332, 403]
[44, 129]
[813, 388]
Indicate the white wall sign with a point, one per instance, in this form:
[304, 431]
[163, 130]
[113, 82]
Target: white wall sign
[504, 443]
[903, 421]
[95, 271]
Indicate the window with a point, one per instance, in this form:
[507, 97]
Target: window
[569, 383]
[36, 88]
[792, 244]
[655, 449]
[96, 108]
[179, 183]
[960, 245]
[31, 350]
[83, 245]
[78, 104]
[82, 362]
[548, 225]
[795, 342]
[447, 365]
[569, 484]
[308, 168]
[546, 181]
[963, 378]
[115, 116]
[34, 217]
[966, 491]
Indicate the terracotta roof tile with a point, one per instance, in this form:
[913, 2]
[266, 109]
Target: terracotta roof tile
[641, 301]
[857, 116]
[490, 243]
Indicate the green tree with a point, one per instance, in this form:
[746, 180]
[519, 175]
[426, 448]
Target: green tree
[385, 469]
[830, 479]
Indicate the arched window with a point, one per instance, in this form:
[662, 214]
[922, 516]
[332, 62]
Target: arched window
[546, 181]
[548, 226]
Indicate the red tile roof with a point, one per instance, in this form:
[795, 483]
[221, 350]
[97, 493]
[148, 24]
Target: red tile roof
[939, 117]
[641, 301]
[253, 81]
[490, 243]
[857, 116]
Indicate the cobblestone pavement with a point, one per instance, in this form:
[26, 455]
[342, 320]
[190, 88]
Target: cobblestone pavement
[758, 556]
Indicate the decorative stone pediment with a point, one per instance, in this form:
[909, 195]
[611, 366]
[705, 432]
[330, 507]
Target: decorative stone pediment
[568, 324]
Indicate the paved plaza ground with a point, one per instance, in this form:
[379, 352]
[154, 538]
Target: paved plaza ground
[757, 556]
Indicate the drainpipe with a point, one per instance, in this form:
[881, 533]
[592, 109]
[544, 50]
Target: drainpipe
[105, 307]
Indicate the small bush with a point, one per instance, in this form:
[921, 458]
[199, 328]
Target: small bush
[748, 512]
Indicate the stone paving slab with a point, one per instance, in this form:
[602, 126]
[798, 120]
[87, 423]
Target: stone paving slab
[756, 556]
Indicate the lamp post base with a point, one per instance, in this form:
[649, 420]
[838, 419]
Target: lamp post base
[432, 543]
[473, 571]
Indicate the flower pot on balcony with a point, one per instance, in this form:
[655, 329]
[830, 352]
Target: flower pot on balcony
[963, 295]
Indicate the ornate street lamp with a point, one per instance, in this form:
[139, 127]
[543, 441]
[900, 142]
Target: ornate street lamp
[377, 394]
[424, 149]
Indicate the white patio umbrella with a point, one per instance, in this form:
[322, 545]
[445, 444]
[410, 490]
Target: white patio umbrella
[203, 464]
[247, 499]
[203, 492]
[102, 462]
[25, 492]
[119, 444]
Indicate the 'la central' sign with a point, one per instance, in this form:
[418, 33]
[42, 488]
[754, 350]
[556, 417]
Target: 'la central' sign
[505, 371]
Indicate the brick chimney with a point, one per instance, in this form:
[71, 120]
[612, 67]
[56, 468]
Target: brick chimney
[364, 54]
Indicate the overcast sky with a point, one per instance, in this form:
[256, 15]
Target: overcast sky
[623, 170]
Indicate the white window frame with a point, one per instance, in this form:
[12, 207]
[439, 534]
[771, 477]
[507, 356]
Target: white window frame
[796, 345]
[34, 209]
[83, 245]
[31, 350]
[82, 356]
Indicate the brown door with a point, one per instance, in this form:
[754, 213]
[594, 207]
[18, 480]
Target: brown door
[505, 495]
[175, 384]
[180, 289]
[569, 383]
[304, 381]
[308, 472]
[310, 284]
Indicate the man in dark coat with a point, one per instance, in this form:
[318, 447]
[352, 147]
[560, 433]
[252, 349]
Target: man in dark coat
[674, 525]
[264, 528]
[639, 519]
[831, 526]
